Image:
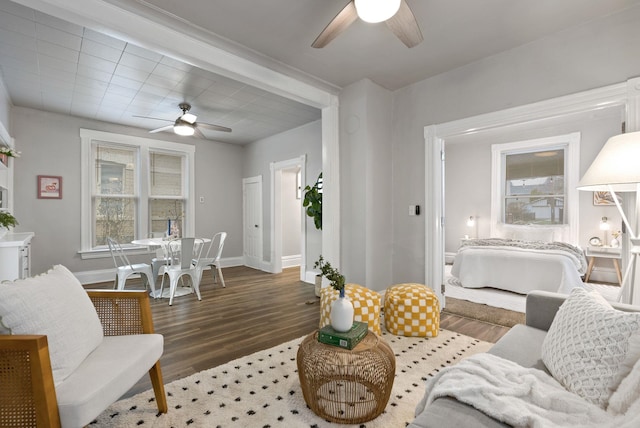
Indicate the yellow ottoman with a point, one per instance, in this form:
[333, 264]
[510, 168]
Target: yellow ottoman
[411, 310]
[366, 305]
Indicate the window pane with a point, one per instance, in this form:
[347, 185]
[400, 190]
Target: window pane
[534, 188]
[115, 170]
[535, 210]
[114, 217]
[166, 175]
[163, 210]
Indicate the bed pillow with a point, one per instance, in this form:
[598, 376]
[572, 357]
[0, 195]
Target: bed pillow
[587, 346]
[56, 305]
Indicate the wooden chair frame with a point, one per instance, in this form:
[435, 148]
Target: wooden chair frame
[27, 392]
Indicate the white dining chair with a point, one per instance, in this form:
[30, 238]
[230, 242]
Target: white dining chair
[181, 252]
[124, 268]
[213, 255]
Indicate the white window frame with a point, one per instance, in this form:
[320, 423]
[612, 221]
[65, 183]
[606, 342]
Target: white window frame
[144, 145]
[570, 143]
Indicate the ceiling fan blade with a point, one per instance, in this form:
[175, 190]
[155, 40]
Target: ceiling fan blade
[164, 128]
[154, 118]
[213, 127]
[337, 25]
[198, 133]
[404, 26]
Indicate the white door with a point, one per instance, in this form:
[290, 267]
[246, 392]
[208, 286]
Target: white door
[252, 221]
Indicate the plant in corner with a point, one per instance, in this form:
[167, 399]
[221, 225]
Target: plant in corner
[313, 202]
[341, 308]
[6, 221]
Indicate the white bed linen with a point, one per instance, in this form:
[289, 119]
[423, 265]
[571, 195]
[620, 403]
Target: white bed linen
[515, 269]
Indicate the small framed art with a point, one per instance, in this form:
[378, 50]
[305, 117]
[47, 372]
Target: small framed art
[49, 187]
[604, 198]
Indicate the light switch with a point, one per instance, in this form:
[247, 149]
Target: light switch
[202, 199]
[412, 210]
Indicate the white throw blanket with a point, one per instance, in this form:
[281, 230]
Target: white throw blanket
[522, 397]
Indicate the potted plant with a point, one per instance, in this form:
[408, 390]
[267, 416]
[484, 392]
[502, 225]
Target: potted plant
[6, 221]
[313, 202]
[341, 308]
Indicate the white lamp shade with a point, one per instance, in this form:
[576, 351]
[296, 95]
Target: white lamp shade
[376, 10]
[617, 165]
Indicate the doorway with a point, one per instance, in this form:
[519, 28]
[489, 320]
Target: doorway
[287, 225]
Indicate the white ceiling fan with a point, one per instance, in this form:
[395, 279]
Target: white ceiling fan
[395, 13]
[186, 124]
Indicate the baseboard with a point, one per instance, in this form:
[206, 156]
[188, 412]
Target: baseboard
[448, 257]
[600, 274]
[291, 261]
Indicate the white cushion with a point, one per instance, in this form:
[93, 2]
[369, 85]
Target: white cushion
[587, 344]
[56, 305]
[113, 368]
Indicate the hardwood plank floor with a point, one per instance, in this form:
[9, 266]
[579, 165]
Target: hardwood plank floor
[255, 311]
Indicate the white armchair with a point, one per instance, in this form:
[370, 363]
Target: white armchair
[63, 361]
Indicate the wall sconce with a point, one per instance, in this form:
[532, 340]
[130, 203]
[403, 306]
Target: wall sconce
[604, 226]
[471, 224]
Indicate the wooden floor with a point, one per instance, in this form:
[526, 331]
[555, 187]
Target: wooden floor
[255, 311]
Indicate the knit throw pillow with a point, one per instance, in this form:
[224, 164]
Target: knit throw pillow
[56, 305]
[587, 345]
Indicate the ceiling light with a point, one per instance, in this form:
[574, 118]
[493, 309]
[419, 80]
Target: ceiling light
[183, 128]
[376, 10]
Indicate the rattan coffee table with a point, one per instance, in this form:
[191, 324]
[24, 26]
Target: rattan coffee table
[346, 386]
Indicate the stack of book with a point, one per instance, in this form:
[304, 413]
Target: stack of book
[348, 339]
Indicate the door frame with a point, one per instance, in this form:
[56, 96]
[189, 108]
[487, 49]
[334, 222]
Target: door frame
[251, 180]
[276, 215]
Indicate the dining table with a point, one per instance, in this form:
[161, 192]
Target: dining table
[161, 242]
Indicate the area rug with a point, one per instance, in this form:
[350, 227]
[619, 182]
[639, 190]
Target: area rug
[262, 390]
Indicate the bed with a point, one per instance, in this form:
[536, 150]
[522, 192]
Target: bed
[519, 266]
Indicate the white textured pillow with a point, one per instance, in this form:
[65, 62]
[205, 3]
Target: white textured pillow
[56, 305]
[587, 344]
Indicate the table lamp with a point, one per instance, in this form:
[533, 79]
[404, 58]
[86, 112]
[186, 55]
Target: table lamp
[617, 169]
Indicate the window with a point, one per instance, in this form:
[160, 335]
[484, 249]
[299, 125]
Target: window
[534, 186]
[132, 188]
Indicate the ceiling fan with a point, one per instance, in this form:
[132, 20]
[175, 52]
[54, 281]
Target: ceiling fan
[395, 13]
[186, 124]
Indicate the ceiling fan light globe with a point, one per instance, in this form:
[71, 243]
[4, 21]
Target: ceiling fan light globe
[374, 11]
[183, 129]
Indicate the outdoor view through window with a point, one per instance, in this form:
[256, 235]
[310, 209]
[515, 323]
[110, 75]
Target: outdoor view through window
[534, 191]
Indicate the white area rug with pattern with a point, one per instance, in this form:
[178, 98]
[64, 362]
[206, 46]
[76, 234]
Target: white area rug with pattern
[262, 390]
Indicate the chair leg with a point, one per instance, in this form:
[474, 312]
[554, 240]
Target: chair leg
[158, 387]
[173, 284]
[196, 283]
[221, 277]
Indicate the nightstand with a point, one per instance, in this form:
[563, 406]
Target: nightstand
[613, 253]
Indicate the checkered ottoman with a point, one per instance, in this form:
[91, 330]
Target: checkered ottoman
[366, 305]
[411, 310]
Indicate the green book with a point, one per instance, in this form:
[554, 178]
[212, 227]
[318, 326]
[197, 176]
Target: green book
[348, 339]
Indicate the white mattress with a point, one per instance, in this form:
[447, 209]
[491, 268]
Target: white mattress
[515, 269]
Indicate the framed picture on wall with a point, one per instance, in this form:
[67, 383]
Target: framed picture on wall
[49, 187]
[604, 198]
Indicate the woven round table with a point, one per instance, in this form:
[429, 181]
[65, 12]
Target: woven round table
[346, 386]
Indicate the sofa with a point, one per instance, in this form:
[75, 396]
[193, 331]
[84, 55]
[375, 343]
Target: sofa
[523, 344]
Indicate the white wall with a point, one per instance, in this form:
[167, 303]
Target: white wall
[468, 171]
[365, 153]
[258, 156]
[590, 56]
[50, 145]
